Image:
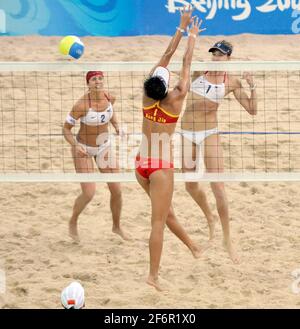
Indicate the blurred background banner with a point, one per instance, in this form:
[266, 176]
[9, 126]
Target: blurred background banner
[145, 17]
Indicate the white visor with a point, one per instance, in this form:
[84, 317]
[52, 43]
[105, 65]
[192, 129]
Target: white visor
[163, 73]
[73, 296]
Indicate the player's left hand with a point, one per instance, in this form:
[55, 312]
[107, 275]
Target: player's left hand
[120, 132]
[248, 77]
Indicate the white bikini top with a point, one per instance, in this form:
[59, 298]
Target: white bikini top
[95, 118]
[214, 92]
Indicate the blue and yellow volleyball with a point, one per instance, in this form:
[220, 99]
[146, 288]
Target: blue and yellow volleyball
[72, 46]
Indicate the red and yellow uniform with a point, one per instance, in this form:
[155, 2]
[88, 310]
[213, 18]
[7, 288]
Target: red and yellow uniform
[156, 113]
[146, 166]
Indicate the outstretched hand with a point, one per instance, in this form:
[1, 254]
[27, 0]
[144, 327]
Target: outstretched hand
[186, 16]
[196, 26]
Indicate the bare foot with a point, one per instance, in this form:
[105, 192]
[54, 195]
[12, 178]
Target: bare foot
[212, 226]
[228, 245]
[73, 232]
[120, 232]
[196, 252]
[154, 283]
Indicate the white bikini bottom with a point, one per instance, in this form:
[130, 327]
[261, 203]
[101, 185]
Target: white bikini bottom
[198, 137]
[190, 161]
[102, 153]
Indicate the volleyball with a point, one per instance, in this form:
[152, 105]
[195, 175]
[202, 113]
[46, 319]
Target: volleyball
[72, 46]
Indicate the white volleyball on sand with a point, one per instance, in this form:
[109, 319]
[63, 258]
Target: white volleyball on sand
[72, 297]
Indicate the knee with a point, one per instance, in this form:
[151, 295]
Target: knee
[116, 194]
[191, 187]
[89, 194]
[219, 190]
[159, 219]
[194, 188]
[157, 225]
[171, 217]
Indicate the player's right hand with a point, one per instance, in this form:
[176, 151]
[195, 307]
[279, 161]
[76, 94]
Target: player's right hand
[186, 16]
[80, 151]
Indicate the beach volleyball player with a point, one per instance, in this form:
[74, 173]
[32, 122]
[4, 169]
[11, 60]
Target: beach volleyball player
[92, 144]
[200, 130]
[154, 162]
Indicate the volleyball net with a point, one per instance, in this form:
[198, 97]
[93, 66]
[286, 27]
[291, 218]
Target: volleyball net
[36, 97]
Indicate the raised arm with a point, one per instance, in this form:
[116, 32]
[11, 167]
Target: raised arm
[185, 20]
[248, 103]
[184, 83]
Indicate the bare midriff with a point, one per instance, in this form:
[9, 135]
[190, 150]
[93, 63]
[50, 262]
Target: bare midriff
[157, 140]
[88, 135]
[200, 113]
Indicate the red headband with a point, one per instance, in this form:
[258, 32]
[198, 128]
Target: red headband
[91, 74]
